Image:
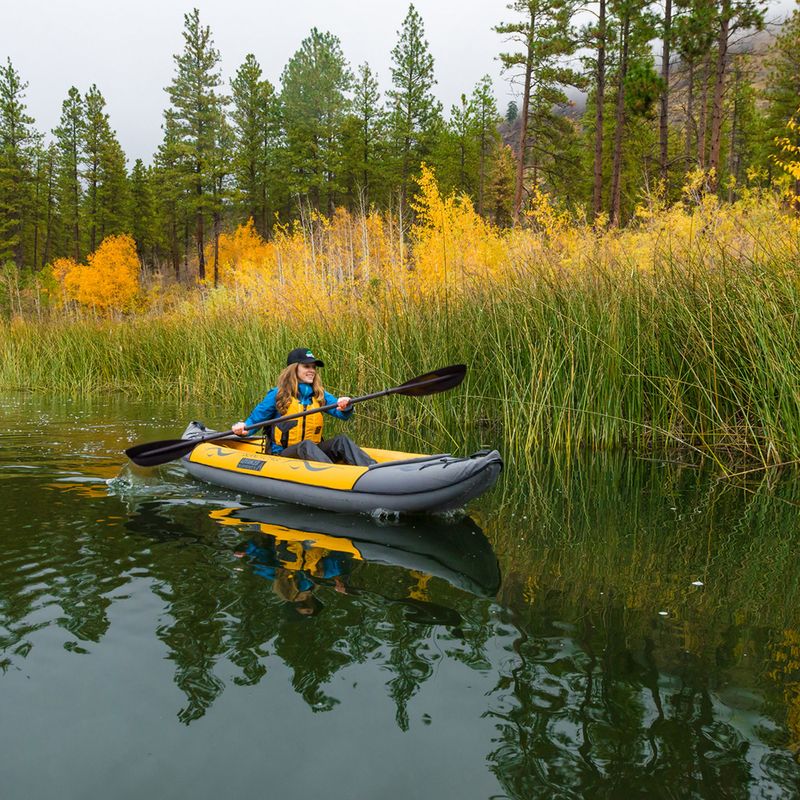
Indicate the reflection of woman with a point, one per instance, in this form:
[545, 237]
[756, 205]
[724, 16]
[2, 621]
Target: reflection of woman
[292, 568]
[300, 389]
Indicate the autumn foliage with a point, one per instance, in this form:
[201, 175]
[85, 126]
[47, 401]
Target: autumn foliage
[109, 281]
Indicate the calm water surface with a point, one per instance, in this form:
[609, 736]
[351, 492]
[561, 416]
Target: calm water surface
[623, 628]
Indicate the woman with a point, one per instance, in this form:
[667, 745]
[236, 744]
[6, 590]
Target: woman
[300, 389]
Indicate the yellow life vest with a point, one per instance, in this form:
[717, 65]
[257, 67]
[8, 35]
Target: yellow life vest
[294, 431]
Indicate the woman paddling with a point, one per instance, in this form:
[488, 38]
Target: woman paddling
[300, 389]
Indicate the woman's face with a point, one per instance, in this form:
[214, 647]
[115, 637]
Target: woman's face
[306, 373]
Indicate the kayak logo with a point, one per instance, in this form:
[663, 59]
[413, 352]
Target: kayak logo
[254, 464]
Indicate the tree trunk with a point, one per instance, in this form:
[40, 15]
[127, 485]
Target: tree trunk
[690, 123]
[663, 122]
[216, 248]
[48, 236]
[733, 156]
[719, 86]
[523, 133]
[703, 125]
[482, 175]
[597, 194]
[619, 128]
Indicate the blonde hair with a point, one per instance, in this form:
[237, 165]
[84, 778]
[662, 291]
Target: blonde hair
[288, 388]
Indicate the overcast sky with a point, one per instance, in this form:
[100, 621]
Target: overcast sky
[127, 48]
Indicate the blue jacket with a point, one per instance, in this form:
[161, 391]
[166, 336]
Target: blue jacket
[266, 409]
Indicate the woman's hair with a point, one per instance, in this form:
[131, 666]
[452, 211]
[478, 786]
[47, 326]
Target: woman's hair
[287, 388]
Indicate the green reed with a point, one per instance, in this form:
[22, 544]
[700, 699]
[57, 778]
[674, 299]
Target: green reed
[680, 357]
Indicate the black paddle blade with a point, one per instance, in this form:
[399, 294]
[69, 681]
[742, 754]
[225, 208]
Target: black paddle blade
[440, 380]
[152, 454]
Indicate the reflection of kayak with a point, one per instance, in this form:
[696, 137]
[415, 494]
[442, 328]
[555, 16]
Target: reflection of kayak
[406, 482]
[458, 552]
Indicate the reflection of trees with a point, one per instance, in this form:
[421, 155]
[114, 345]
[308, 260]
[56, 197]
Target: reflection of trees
[66, 560]
[210, 616]
[617, 699]
[595, 695]
[591, 715]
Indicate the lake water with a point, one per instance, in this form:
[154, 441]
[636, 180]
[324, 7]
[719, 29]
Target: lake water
[615, 628]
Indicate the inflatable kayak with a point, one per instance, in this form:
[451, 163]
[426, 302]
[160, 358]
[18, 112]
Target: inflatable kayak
[297, 538]
[403, 482]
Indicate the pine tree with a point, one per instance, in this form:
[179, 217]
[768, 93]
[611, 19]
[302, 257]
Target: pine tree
[17, 140]
[634, 76]
[222, 185]
[415, 113]
[462, 162]
[364, 140]
[486, 122]
[694, 36]
[105, 174]
[69, 144]
[500, 185]
[783, 85]
[171, 204]
[256, 132]
[731, 15]
[545, 38]
[142, 212]
[114, 190]
[196, 113]
[315, 83]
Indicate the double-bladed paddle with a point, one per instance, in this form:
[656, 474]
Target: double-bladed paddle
[152, 454]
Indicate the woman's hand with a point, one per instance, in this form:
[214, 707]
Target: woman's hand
[342, 403]
[239, 429]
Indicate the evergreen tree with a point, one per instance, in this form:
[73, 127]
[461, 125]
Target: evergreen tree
[545, 38]
[222, 184]
[415, 113]
[255, 132]
[486, 122]
[364, 140]
[461, 157]
[636, 83]
[17, 141]
[512, 111]
[114, 190]
[731, 15]
[172, 209]
[315, 83]
[196, 114]
[69, 137]
[783, 85]
[500, 185]
[142, 212]
[694, 36]
[105, 174]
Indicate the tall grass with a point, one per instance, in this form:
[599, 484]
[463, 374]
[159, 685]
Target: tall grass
[595, 359]
[680, 332]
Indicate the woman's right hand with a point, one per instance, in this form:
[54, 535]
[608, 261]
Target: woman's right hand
[239, 429]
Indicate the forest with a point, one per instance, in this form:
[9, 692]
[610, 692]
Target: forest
[617, 248]
[664, 90]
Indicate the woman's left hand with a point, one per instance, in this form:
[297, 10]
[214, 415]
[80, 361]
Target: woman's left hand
[342, 403]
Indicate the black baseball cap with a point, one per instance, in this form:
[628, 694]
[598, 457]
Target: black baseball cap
[302, 355]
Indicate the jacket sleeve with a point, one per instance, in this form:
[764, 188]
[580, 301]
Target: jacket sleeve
[265, 409]
[334, 412]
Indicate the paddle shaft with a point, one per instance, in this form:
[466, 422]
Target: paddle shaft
[331, 406]
[154, 453]
[190, 444]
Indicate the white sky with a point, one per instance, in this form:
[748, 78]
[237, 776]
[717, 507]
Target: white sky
[127, 48]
